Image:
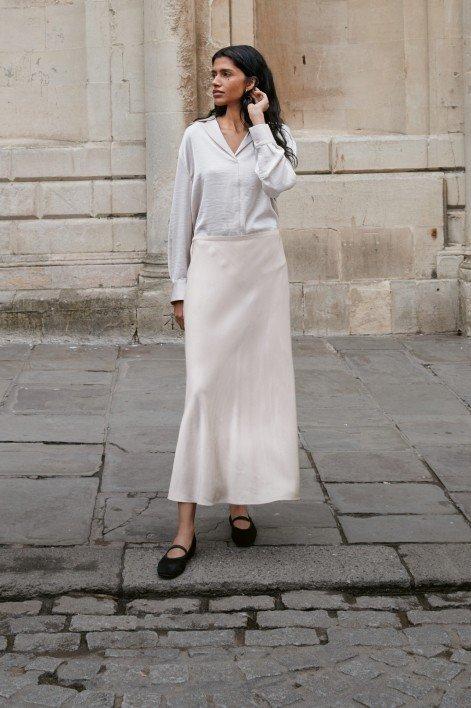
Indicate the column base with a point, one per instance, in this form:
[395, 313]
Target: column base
[464, 281]
[155, 311]
[154, 272]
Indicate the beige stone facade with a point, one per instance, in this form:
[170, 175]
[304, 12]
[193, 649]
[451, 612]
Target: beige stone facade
[95, 96]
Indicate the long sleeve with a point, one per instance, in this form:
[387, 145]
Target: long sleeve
[180, 231]
[272, 166]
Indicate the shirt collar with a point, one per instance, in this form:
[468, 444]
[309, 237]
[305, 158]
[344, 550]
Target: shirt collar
[214, 131]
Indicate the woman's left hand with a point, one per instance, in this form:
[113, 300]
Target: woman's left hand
[257, 109]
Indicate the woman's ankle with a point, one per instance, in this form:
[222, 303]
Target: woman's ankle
[187, 530]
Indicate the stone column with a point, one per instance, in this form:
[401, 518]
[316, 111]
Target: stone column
[465, 268]
[171, 102]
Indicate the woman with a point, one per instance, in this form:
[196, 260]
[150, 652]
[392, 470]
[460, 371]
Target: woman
[237, 442]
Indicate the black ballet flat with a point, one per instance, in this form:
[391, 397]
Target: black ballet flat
[243, 537]
[171, 567]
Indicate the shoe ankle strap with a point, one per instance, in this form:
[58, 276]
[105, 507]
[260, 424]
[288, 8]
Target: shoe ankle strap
[177, 545]
[234, 518]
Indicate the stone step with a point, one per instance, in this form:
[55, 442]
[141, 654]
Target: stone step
[222, 569]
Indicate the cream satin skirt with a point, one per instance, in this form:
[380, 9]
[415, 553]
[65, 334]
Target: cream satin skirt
[238, 441]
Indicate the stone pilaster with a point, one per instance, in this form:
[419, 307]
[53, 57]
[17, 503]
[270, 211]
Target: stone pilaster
[465, 268]
[170, 101]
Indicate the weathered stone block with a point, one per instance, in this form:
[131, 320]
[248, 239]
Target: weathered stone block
[295, 618]
[19, 609]
[437, 305]
[455, 226]
[296, 307]
[63, 236]
[143, 639]
[312, 254]
[241, 602]
[448, 262]
[65, 199]
[379, 152]
[370, 308]
[313, 152]
[129, 234]
[376, 252]
[127, 160]
[17, 199]
[455, 188]
[85, 605]
[128, 196]
[446, 150]
[374, 200]
[281, 637]
[66, 641]
[169, 605]
[325, 308]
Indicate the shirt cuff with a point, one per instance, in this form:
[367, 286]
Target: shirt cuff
[261, 134]
[178, 290]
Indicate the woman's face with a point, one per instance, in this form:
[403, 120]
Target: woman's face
[228, 82]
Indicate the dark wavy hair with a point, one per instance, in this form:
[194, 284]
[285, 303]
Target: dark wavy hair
[252, 63]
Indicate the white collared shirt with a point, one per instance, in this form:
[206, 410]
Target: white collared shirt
[217, 191]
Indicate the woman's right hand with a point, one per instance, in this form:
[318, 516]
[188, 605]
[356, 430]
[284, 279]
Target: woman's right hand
[178, 313]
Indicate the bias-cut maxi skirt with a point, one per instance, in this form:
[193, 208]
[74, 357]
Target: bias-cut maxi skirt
[237, 442]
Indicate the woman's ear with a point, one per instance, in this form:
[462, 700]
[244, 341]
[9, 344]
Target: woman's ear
[252, 83]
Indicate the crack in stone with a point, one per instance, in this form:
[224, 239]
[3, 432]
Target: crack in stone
[133, 516]
[218, 523]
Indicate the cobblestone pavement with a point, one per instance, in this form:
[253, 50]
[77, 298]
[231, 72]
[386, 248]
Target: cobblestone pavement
[309, 648]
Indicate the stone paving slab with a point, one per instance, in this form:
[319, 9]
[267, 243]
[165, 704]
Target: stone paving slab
[389, 366]
[14, 352]
[328, 382]
[135, 518]
[136, 471]
[335, 438]
[438, 564]
[143, 438]
[52, 428]
[385, 458]
[403, 528]
[345, 410]
[457, 377]
[91, 399]
[371, 466]
[85, 357]
[10, 369]
[441, 348]
[28, 572]
[158, 350]
[387, 498]
[5, 385]
[463, 502]
[410, 398]
[64, 377]
[135, 375]
[46, 512]
[432, 430]
[366, 342]
[452, 464]
[40, 460]
[225, 569]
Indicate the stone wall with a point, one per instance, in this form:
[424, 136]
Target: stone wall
[72, 161]
[96, 95]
